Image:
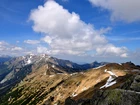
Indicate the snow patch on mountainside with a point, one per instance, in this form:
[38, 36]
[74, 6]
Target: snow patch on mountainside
[4, 80]
[85, 88]
[120, 64]
[111, 73]
[111, 80]
[74, 94]
[74, 73]
[51, 75]
[109, 83]
[29, 61]
[99, 67]
[53, 66]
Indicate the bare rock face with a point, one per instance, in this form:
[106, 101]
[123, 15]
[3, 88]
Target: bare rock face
[116, 97]
[136, 84]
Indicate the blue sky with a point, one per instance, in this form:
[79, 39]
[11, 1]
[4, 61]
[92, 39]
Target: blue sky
[92, 29]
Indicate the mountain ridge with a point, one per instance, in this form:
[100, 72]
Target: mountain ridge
[15, 69]
[45, 80]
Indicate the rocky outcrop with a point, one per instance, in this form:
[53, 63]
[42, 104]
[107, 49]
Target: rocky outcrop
[135, 86]
[116, 97]
[127, 94]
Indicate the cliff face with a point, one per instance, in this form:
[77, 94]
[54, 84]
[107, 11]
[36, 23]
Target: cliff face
[127, 94]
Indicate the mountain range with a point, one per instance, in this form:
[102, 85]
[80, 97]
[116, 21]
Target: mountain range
[45, 80]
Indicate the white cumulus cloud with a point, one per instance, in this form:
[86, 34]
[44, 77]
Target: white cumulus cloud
[12, 50]
[109, 49]
[16, 49]
[32, 41]
[126, 10]
[3, 46]
[42, 49]
[66, 33]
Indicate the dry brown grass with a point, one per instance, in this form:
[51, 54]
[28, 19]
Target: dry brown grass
[61, 86]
